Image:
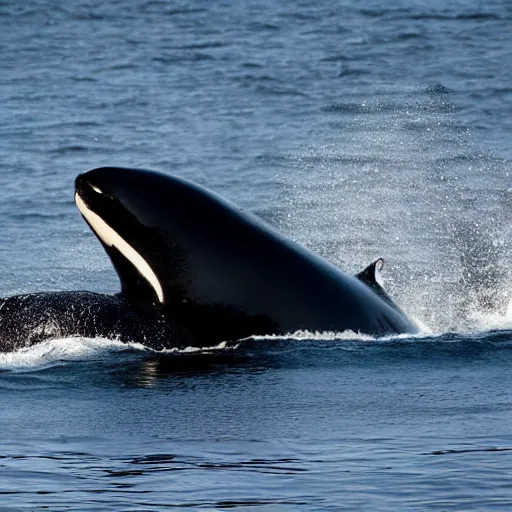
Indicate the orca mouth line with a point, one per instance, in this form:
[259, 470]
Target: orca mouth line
[112, 239]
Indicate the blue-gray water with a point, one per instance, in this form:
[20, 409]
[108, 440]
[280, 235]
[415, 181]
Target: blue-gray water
[359, 129]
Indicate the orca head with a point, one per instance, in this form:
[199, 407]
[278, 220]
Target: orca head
[164, 235]
[190, 256]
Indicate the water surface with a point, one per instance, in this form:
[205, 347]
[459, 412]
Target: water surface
[358, 130]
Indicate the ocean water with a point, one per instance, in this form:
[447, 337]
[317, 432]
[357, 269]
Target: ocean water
[361, 130]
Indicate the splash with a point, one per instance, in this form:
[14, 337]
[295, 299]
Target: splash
[401, 178]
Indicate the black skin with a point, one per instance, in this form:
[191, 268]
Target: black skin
[369, 277]
[224, 274]
[29, 319]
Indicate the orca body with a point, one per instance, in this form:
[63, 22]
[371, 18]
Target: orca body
[195, 270]
[29, 319]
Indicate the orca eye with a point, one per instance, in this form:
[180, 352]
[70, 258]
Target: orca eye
[96, 189]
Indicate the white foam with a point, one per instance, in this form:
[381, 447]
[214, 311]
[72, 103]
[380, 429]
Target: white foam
[224, 345]
[336, 336]
[348, 335]
[315, 336]
[59, 351]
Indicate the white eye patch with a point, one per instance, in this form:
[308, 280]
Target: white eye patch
[112, 239]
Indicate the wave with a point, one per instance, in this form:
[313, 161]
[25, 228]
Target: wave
[480, 328]
[62, 352]
[59, 352]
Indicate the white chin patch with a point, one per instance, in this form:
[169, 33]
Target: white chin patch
[112, 239]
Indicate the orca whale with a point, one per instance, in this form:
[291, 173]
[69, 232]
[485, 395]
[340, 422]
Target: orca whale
[195, 270]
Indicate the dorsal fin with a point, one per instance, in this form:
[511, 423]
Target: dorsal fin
[371, 276]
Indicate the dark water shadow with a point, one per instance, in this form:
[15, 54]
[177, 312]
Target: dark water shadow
[136, 367]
